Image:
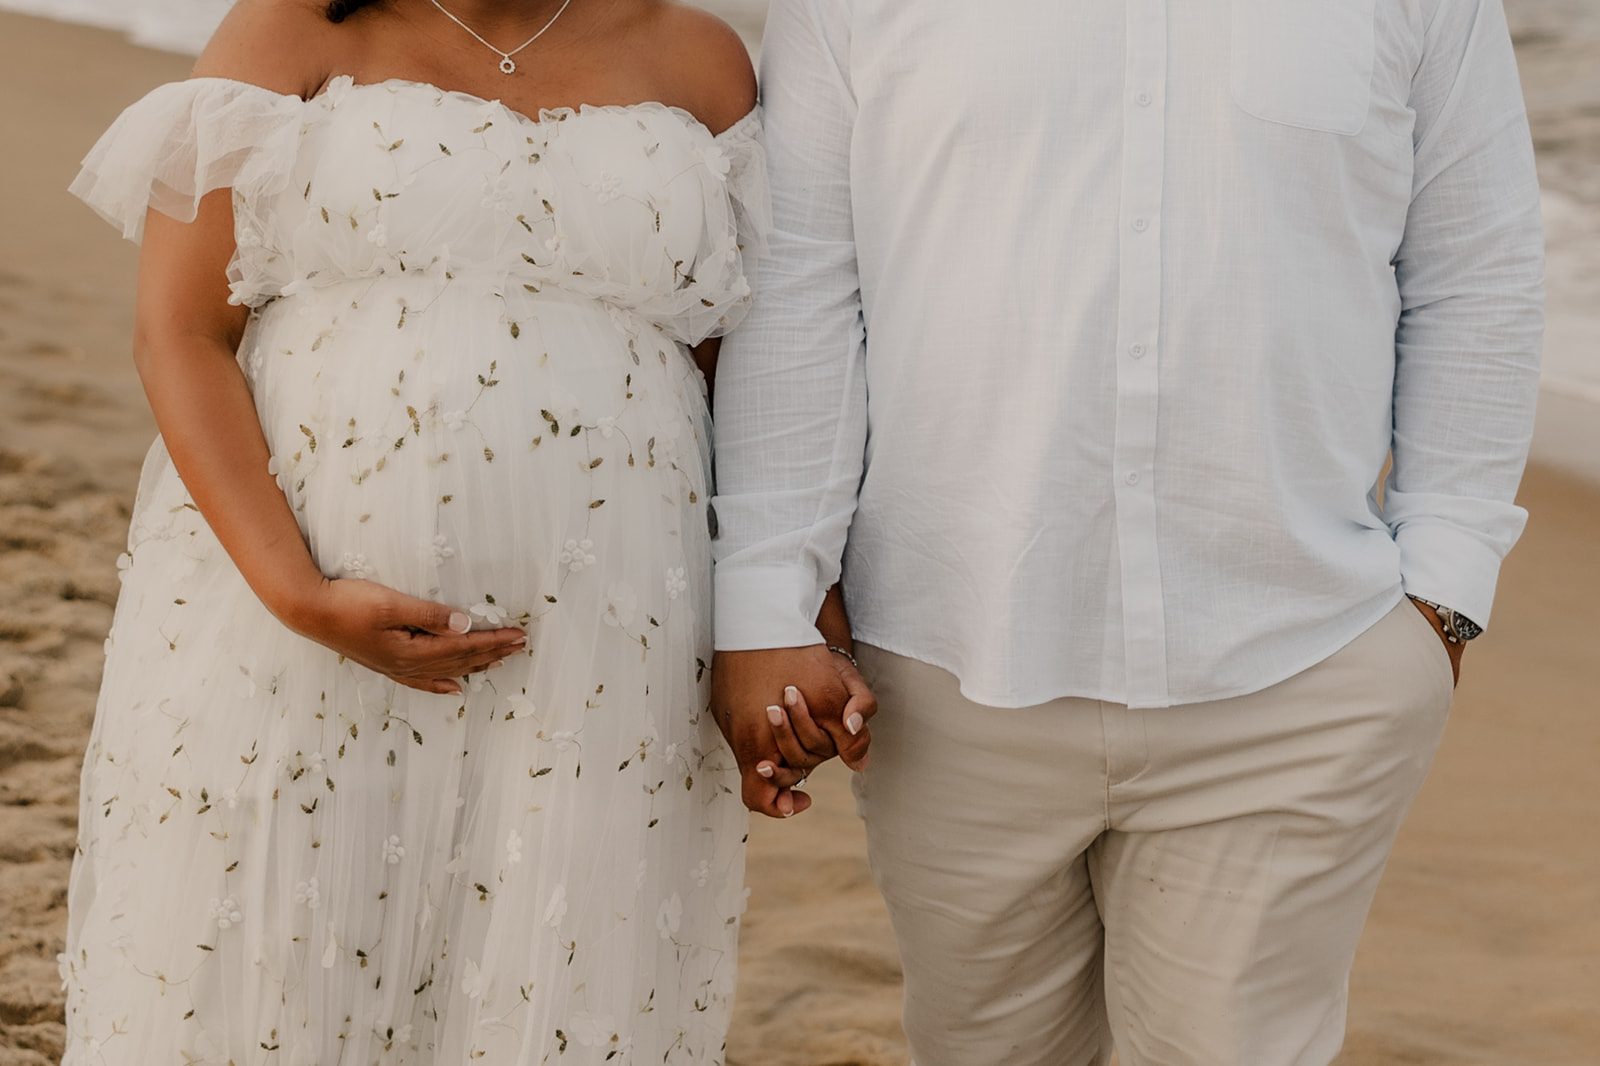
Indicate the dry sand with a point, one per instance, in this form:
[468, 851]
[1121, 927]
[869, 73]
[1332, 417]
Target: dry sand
[1484, 944]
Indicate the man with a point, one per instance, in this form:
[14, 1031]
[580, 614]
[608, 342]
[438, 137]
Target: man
[1092, 325]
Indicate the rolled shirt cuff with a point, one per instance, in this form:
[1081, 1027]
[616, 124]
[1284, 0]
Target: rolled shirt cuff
[756, 608]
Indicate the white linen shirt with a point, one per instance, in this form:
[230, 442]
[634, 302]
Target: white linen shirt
[1093, 324]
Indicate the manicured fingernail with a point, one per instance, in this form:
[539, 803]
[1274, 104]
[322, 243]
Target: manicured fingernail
[775, 714]
[766, 769]
[791, 695]
[460, 622]
[455, 689]
[854, 723]
[497, 664]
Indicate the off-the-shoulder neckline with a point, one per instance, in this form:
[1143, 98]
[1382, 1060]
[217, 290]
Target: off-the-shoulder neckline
[546, 114]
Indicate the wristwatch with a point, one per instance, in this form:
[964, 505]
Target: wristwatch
[1458, 628]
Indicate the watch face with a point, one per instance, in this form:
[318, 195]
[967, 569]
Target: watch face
[1465, 628]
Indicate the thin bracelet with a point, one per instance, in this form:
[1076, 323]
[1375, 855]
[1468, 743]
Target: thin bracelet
[840, 651]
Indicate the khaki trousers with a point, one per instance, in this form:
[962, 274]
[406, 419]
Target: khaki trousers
[1190, 881]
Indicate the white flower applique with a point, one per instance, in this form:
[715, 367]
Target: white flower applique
[716, 160]
[356, 565]
[454, 420]
[606, 187]
[226, 912]
[513, 848]
[701, 873]
[564, 407]
[275, 467]
[556, 909]
[676, 583]
[379, 235]
[124, 566]
[308, 894]
[441, 550]
[492, 613]
[474, 982]
[330, 951]
[497, 194]
[669, 916]
[393, 851]
[621, 605]
[577, 554]
[607, 426]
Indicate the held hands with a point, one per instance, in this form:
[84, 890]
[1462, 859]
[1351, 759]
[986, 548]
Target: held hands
[780, 732]
[419, 644]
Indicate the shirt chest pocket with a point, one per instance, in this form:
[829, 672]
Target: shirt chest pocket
[1304, 63]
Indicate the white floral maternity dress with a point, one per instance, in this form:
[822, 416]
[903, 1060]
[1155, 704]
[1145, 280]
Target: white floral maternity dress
[467, 352]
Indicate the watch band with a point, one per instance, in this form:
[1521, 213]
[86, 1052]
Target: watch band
[1458, 628]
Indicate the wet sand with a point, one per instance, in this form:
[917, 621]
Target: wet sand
[1484, 944]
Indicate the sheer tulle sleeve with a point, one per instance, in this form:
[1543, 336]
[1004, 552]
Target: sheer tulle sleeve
[738, 216]
[747, 183]
[185, 140]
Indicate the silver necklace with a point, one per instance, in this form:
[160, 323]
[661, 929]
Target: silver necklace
[507, 66]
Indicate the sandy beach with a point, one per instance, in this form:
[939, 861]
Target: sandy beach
[1483, 947]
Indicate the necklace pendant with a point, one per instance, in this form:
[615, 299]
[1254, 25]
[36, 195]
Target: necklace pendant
[507, 66]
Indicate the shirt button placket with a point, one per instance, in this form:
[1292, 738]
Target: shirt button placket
[1138, 323]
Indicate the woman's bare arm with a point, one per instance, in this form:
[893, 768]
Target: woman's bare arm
[185, 339]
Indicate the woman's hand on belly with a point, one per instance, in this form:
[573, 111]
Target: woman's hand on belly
[419, 644]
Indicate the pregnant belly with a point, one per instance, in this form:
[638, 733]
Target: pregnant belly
[479, 448]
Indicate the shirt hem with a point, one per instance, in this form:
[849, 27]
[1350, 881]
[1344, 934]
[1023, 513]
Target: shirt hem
[972, 693]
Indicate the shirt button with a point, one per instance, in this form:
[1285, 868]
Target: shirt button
[1140, 225]
[1133, 478]
[1143, 99]
[1137, 351]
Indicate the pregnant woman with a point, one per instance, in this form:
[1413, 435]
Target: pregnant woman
[402, 753]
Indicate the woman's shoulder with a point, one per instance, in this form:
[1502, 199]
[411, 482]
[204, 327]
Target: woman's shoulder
[700, 60]
[286, 46]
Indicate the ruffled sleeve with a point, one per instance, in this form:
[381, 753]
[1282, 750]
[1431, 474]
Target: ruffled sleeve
[738, 217]
[747, 182]
[185, 140]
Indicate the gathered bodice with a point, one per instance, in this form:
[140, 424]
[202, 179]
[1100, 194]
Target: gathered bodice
[638, 206]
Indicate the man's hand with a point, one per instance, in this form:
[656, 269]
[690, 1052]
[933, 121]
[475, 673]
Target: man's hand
[1454, 649]
[749, 699]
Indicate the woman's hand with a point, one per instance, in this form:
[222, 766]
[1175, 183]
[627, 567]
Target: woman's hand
[419, 644]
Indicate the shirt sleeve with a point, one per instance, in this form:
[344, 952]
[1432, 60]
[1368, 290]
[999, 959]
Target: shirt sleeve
[1470, 270]
[791, 414]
